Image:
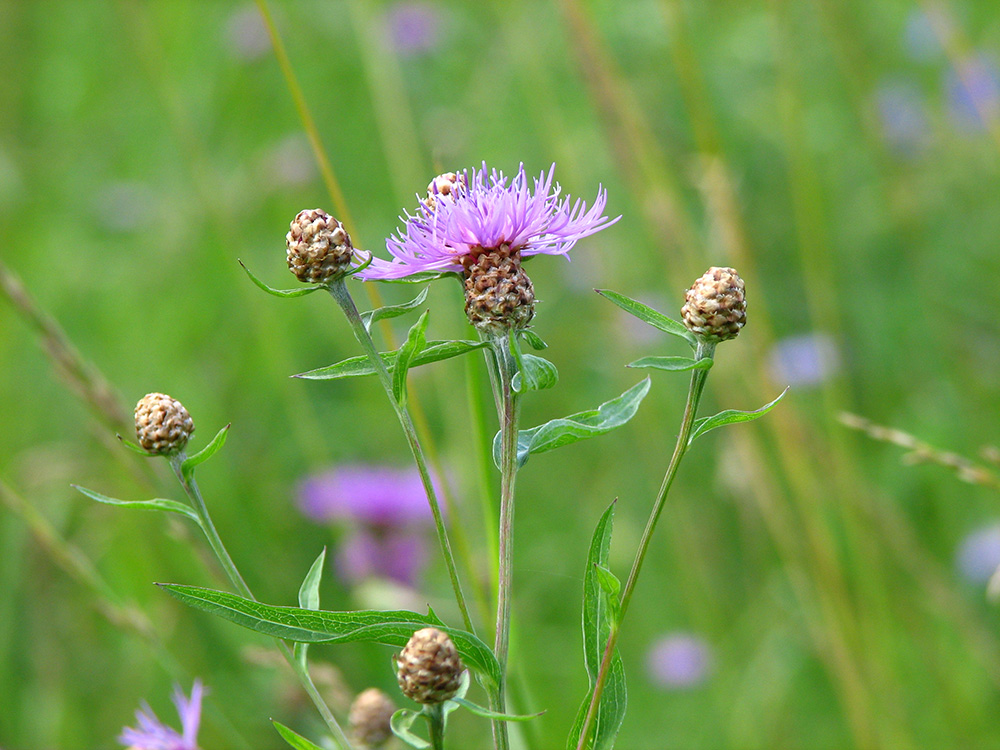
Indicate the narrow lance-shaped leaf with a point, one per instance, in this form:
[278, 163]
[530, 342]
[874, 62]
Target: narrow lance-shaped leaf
[353, 367]
[533, 339]
[598, 621]
[730, 416]
[309, 599]
[187, 467]
[416, 340]
[169, 506]
[576, 427]
[393, 311]
[673, 364]
[294, 739]
[392, 628]
[298, 292]
[647, 314]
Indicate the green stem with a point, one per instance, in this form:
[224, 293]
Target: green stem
[506, 368]
[215, 541]
[338, 290]
[435, 717]
[698, 378]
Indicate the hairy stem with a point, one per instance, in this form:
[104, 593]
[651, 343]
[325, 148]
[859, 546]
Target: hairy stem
[338, 290]
[698, 378]
[215, 541]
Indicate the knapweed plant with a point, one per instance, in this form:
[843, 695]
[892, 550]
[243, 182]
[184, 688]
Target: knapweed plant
[478, 228]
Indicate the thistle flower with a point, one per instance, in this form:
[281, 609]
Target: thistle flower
[369, 718]
[490, 212]
[715, 307]
[162, 424]
[429, 669]
[154, 735]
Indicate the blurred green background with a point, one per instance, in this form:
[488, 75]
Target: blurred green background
[842, 154]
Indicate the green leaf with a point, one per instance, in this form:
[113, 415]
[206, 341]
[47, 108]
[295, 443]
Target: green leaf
[309, 590]
[533, 339]
[434, 351]
[294, 739]
[647, 314]
[420, 278]
[673, 363]
[169, 506]
[534, 374]
[576, 427]
[730, 416]
[400, 724]
[392, 311]
[135, 448]
[298, 292]
[187, 468]
[612, 587]
[416, 340]
[598, 621]
[487, 714]
[392, 628]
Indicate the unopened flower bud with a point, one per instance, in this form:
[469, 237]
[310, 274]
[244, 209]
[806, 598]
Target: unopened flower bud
[162, 424]
[429, 669]
[318, 246]
[369, 718]
[447, 185]
[715, 306]
[499, 296]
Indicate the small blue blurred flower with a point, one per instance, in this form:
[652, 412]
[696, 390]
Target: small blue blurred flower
[412, 28]
[978, 555]
[153, 735]
[804, 360]
[678, 661]
[973, 90]
[902, 114]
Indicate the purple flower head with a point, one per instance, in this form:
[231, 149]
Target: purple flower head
[805, 360]
[153, 735]
[412, 28]
[375, 495]
[678, 661]
[978, 555]
[486, 212]
[974, 92]
[396, 555]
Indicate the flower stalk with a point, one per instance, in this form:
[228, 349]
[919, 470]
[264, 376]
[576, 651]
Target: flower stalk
[226, 561]
[698, 378]
[338, 290]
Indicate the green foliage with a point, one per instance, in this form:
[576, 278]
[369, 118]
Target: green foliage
[168, 506]
[585, 424]
[391, 628]
[433, 351]
[401, 724]
[730, 416]
[415, 342]
[673, 364]
[600, 613]
[647, 314]
[189, 463]
[286, 293]
[294, 739]
[393, 311]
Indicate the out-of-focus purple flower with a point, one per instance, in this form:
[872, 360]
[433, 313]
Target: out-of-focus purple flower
[974, 92]
[376, 495]
[804, 360]
[902, 114]
[153, 735]
[978, 555]
[246, 34]
[396, 555]
[679, 660]
[486, 212]
[412, 28]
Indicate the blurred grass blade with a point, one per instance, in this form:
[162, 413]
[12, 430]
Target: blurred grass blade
[353, 367]
[187, 468]
[168, 506]
[294, 739]
[730, 416]
[598, 622]
[673, 364]
[390, 628]
[392, 311]
[415, 342]
[576, 427]
[297, 292]
[647, 314]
